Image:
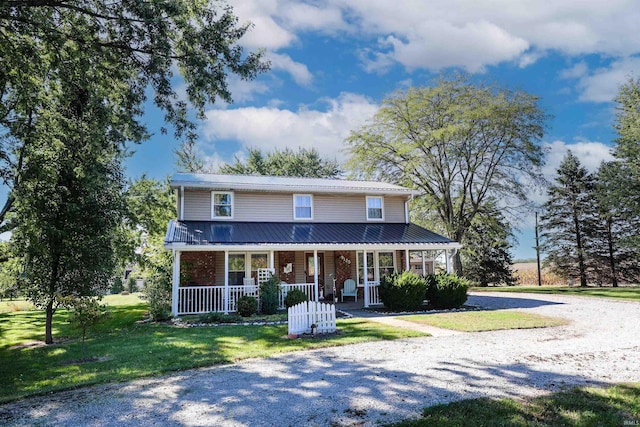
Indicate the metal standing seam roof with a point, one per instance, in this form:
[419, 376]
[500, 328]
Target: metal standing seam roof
[279, 183]
[256, 233]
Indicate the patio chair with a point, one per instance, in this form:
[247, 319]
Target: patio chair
[349, 290]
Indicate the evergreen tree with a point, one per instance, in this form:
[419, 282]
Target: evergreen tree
[486, 250]
[569, 214]
[611, 241]
[303, 163]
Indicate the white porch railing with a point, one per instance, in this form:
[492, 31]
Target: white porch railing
[205, 299]
[307, 288]
[374, 297]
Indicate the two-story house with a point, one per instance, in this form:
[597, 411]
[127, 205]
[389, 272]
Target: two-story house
[314, 234]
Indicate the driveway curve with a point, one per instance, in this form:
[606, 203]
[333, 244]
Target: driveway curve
[366, 384]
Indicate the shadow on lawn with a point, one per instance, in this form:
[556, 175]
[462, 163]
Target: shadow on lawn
[294, 389]
[506, 302]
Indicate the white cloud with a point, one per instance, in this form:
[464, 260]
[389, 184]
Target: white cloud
[441, 33]
[298, 71]
[267, 128]
[602, 84]
[590, 153]
[579, 70]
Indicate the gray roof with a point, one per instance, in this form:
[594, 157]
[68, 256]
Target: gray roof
[287, 233]
[284, 184]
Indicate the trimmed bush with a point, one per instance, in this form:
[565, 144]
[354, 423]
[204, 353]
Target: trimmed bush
[295, 296]
[269, 294]
[447, 291]
[216, 317]
[402, 291]
[158, 296]
[247, 306]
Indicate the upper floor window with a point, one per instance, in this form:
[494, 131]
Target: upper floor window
[302, 206]
[375, 208]
[222, 204]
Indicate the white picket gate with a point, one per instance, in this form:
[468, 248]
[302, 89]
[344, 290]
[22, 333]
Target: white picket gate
[302, 316]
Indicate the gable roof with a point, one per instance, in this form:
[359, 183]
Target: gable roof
[212, 233]
[285, 184]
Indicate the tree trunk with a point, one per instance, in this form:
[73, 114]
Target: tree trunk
[457, 264]
[612, 260]
[48, 336]
[581, 266]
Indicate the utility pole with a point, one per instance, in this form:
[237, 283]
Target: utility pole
[538, 252]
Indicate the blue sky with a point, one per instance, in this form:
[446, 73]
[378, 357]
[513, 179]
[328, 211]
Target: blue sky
[334, 60]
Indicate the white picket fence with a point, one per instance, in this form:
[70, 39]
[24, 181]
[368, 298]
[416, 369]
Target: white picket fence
[302, 316]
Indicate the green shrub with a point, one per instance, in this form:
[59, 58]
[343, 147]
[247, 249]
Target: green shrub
[447, 291]
[269, 294]
[247, 306]
[217, 317]
[295, 296]
[132, 285]
[117, 286]
[402, 291]
[158, 295]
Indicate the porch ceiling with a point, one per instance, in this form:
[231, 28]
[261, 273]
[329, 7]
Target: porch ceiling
[211, 233]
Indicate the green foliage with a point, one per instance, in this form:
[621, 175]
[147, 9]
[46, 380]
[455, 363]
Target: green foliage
[486, 249]
[117, 286]
[402, 291]
[86, 313]
[217, 317]
[447, 290]
[247, 306]
[269, 294]
[456, 142]
[569, 213]
[157, 293]
[295, 296]
[131, 284]
[304, 163]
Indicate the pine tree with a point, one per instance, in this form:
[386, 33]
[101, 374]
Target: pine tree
[569, 214]
[486, 252]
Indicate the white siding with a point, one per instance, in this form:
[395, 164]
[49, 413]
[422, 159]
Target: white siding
[197, 205]
[278, 207]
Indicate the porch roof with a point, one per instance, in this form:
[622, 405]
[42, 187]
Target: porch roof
[203, 234]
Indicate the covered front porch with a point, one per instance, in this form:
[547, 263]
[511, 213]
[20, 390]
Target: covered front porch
[212, 280]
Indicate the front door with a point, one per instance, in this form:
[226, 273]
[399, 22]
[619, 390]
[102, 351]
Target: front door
[310, 268]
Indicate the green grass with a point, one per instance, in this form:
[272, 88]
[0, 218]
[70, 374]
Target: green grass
[614, 406]
[476, 321]
[130, 350]
[627, 293]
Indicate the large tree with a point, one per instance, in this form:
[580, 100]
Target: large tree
[570, 214]
[286, 162]
[458, 143]
[133, 48]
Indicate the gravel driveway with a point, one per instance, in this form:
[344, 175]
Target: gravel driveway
[365, 384]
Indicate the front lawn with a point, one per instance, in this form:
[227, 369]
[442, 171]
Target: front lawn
[626, 293]
[476, 321]
[585, 406]
[125, 350]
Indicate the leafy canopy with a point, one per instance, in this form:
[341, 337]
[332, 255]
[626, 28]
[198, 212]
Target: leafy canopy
[459, 143]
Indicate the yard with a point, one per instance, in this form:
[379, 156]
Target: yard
[124, 349]
[625, 293]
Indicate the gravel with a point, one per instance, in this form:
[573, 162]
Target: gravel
[371, 383]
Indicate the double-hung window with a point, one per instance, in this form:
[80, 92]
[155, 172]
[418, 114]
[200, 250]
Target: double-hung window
[375, 207]
[222, 204]
[302, 206]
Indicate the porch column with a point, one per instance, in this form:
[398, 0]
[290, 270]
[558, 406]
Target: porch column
[446, 261]
[315, 273]
[272, 261]
[226, 282]
[175, 283]
[406, 260]
[366, 279]
[424, 265]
